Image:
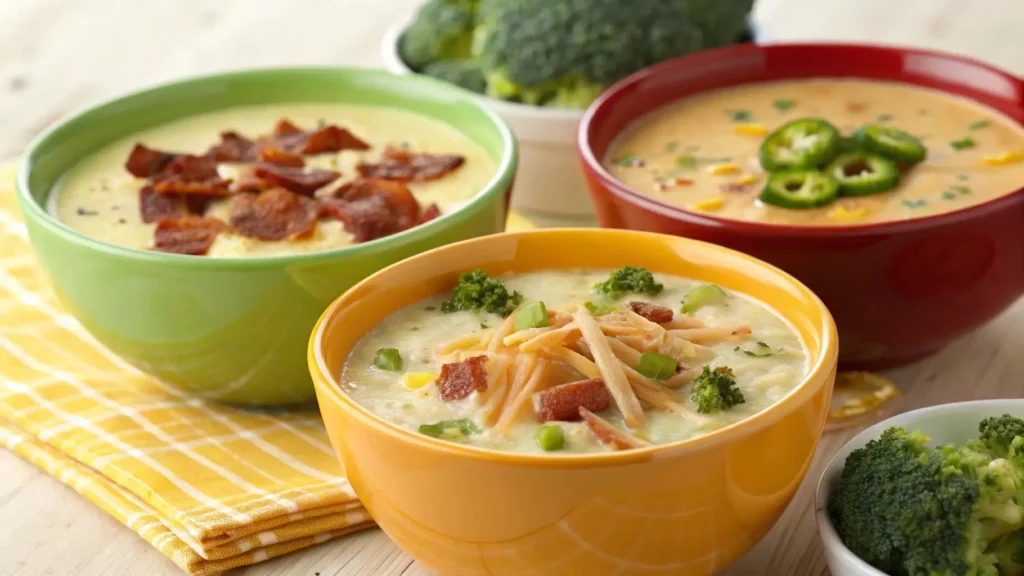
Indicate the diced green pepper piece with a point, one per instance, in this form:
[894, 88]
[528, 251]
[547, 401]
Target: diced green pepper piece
[800, 189]
[863, 174]
[450, 429]
[703, 295]
[891, 143]
[550, 438]
[799, 145]
[532, 315]
[657, 366]
[599, 307]
[388, 359]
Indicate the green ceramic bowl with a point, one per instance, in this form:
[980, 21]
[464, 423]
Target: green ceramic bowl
[235, 329]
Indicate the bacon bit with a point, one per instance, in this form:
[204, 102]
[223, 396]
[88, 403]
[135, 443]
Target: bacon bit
[291, 138]
[274, 214]
[460, 379]
[188, 174]
[145, 162]
[247, 181]
[563, 402]
[429, 213]
[198, 204]
[733, 187]
[609, 435]
[398, 196]
[154, 207]
[233, 147]
[272, 155]
[192, 235]
[856, 106]
[652, 312]
[372, 208]
[295, 179]
[397, 164]
[673, 182]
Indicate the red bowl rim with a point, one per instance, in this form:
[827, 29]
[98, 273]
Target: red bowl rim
[619, 91]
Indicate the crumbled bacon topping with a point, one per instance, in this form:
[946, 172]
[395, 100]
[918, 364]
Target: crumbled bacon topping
[192, 235]
[144, 162]
[188, 174]
[460, 379]
[404, 166]
[297, 180]
[154, 207]
[280, 157]
[563, 402]
[233, 147]
[274, 214]
[652, 312]
[371, 208]
[330, 138]
[429, 213]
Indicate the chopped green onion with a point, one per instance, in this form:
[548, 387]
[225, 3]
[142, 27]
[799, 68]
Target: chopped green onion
[630, 160]
[740, 115]
[962, 177]
[884, 117]
[532, 315]
[963, 143]
[671, 146]
[783, 104]
[914, 203]
[599, 307]
[961, 190]
[450, 429]
[704, 295]
[687, 162]
[763, 351]
[388, 359]
[550, 438]
[978, 125]
[657, 366]
[947, 195]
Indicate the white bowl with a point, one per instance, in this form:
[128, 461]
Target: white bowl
[957, 423]
[549, 185]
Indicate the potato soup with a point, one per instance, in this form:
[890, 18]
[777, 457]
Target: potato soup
[826, 152]
[280, 179]
[575, 361]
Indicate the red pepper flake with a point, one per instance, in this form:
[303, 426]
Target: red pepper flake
[563, 402]
[272, 155]
[154, 207]
[398, 164]
[233, 147]
[298, 180]
[331, 138]
[652, 312]
[460, 379]
[192, 235]
[274, 214]
[145, 162]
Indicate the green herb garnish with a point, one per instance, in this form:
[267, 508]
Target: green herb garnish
[450, 429]
[978, 125]
[630, 160]
[961, 190]
[704, 295]
[740, 115]
[628, 279]
[783, 104]
[671, 146]
[550, 438]
[475, 291]
[388, 359]
[947, 195]
[963, 143]
[657, 366]
[914, 203]
[715, 390]
[484, 326]
[962, 177]
[687, 162]
[763, 351]
[532, 315]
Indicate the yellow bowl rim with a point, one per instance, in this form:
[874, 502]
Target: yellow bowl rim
[820, 370]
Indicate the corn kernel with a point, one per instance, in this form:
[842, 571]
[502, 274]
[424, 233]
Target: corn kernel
[727, 168]
[844, 214]
[709, 205]
[1009, 157]
[747, 180]
[417, 380]
[750, 129]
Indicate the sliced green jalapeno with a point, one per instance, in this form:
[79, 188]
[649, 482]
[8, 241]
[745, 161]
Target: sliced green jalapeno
[863, 174]
[800, 189]
[800, 145]
[891, 143]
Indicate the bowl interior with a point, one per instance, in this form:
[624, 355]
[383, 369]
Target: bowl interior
[59, 148]
[436, 271]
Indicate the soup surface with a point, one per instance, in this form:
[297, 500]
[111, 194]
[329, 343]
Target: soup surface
[765, 356]
[101, 199]
[701, 153]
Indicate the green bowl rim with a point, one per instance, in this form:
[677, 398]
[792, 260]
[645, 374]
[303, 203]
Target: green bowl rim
[499, 183]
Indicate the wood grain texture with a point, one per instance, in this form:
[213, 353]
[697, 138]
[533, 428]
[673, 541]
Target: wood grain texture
[58, 55]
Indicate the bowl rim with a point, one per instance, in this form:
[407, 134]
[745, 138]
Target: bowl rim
[829, 537]
[497, 184]
[619, 91]
[393, 62]
[818, 372]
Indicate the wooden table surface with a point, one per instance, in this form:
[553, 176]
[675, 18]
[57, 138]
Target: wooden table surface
[58, 55]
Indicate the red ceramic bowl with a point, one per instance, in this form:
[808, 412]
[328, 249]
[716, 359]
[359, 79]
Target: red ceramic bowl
[898, 291]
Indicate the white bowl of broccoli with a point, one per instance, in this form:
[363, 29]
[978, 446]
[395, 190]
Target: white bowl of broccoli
[936, 491]
[539, 64]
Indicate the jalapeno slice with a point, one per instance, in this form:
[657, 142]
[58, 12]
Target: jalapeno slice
[891, 143]
[800, 145]
[863, 174]
[800, 189]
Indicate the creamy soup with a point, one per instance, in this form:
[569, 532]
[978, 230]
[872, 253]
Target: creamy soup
[702, 153]
[101, 199]
[642, 373]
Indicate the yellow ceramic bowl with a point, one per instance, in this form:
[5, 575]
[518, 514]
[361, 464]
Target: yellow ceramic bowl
[686, 508]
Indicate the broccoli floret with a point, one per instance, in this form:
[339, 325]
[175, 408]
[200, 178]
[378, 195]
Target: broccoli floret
[442, 30]
[909, 509]
[464, 73]
[998, 432]
[715, 390]
[628, 279]
[563, 53]
[475, 291]
[722, 21]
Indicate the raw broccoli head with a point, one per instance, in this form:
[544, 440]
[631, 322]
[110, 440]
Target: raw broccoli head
[628, 279]
[909, 509]
[998, 432]
[475, 291]
[715, 390]
[442, 30]
[464, 73]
